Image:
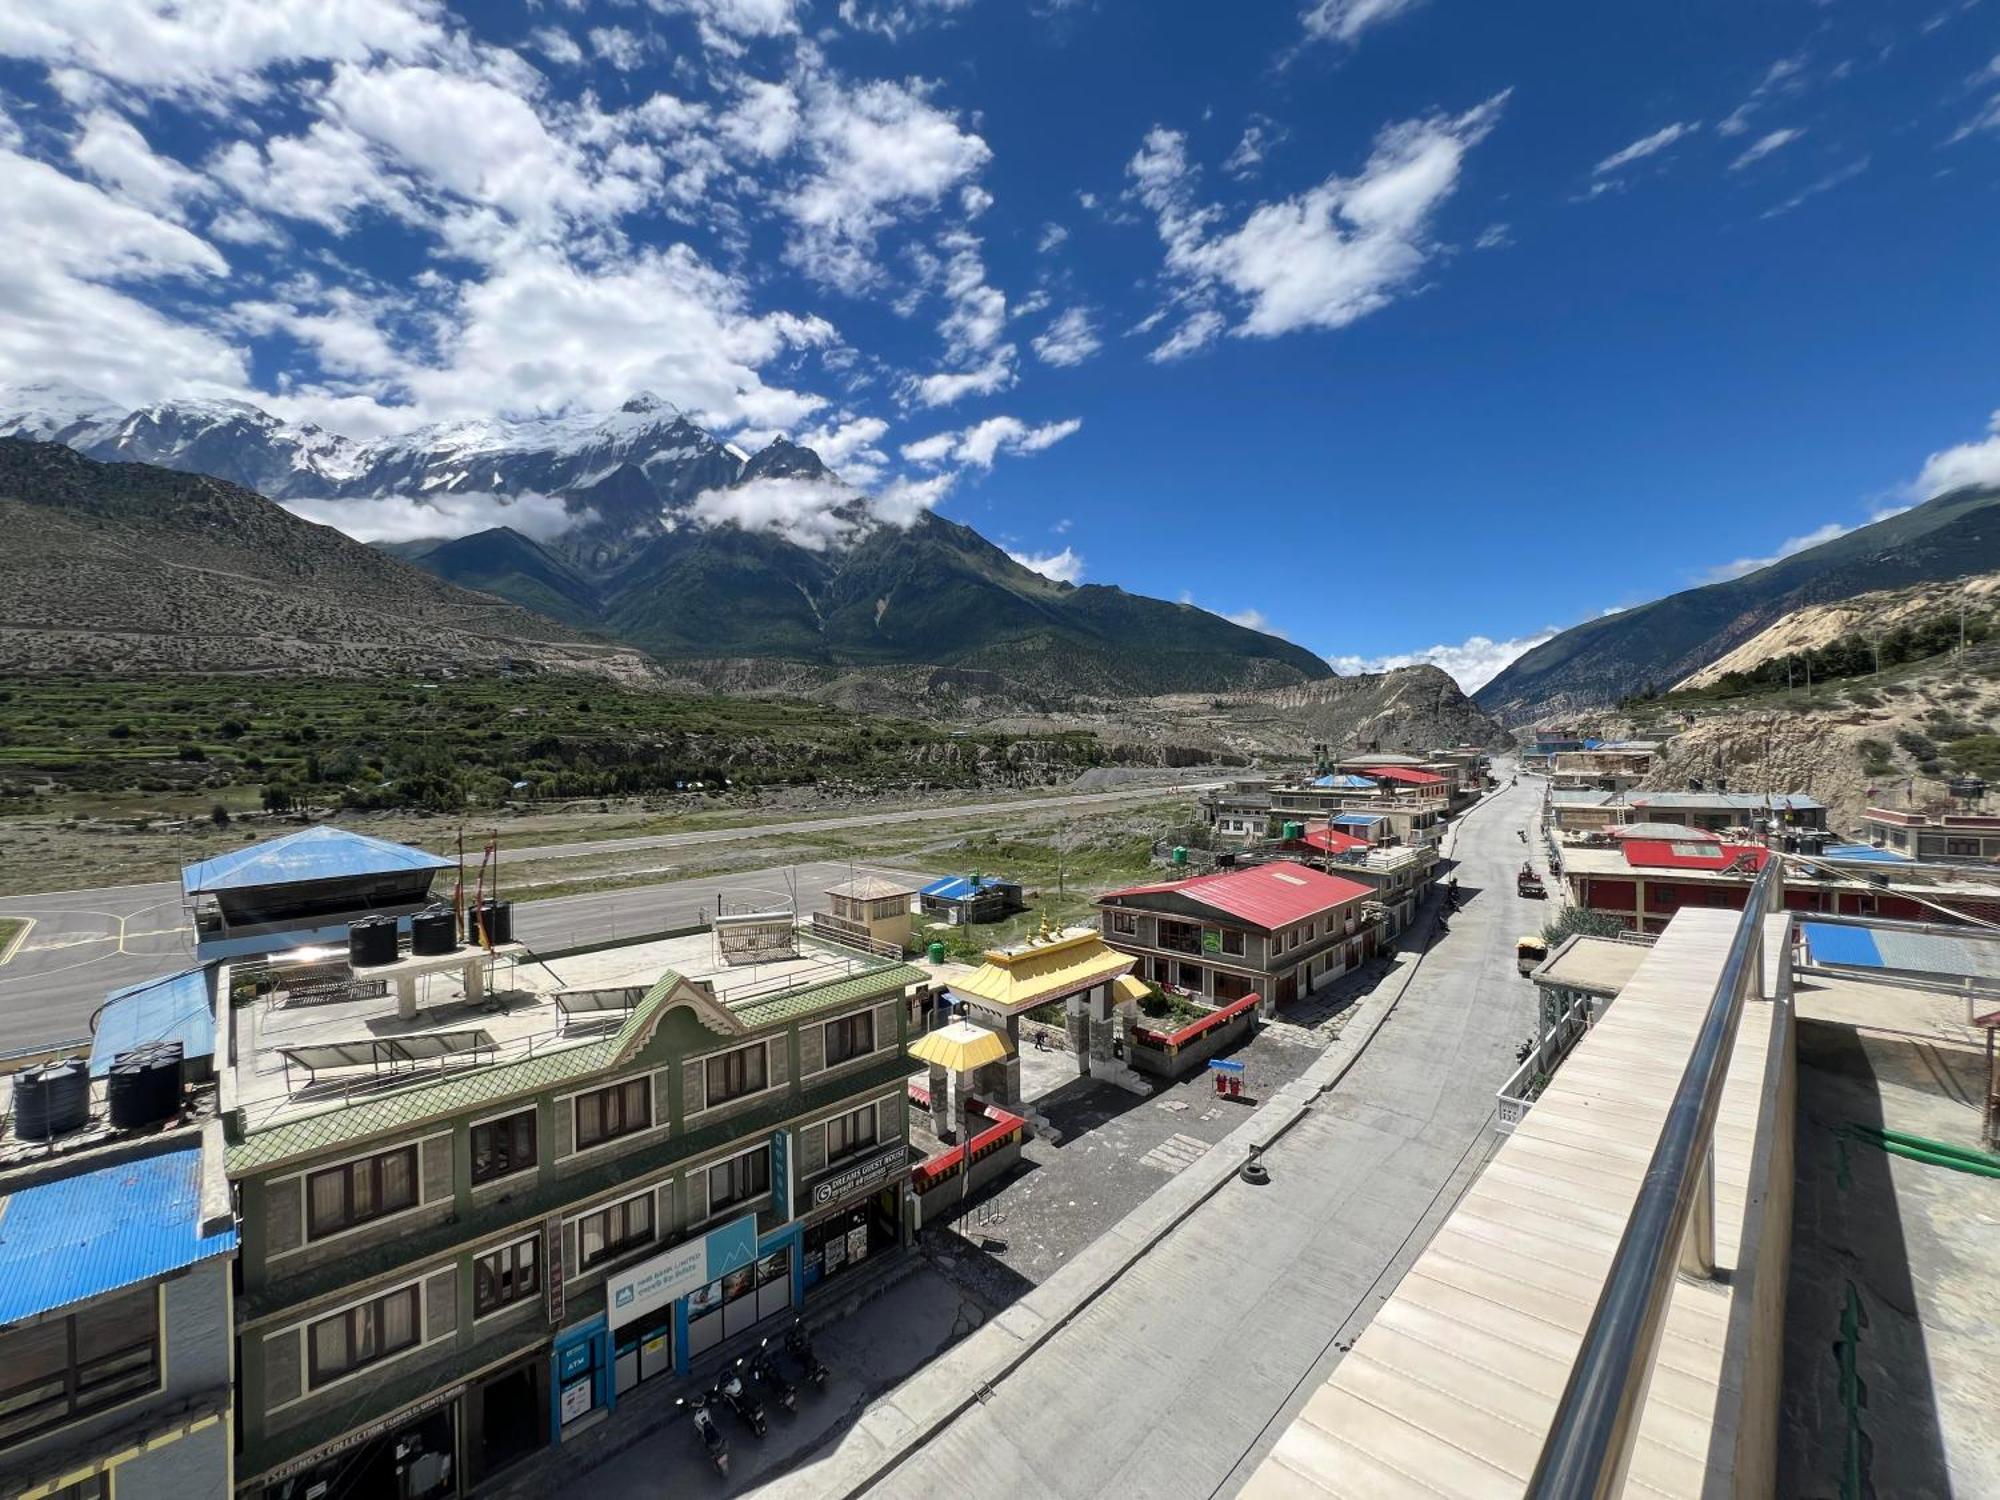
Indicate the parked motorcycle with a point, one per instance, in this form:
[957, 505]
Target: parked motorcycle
[798, 1344]
[712, 1441]
[764, 1371]
[740, 1400]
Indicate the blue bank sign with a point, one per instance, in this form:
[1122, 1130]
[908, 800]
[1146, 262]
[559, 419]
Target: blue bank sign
[672, 1274]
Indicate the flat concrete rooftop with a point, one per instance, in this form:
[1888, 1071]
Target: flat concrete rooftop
[520, 1014]
[1595, 965]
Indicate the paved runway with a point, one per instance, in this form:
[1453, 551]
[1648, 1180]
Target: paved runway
[83, 944]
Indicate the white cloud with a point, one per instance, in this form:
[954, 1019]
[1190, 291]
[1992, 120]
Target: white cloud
[944, 388]
[113, 151]
[814, 514]
[849, 446]
[1254, 619]
[324, 176]
[978, 445]
[1345, 20]
[1976, 462]
[1323, 258]
[623, 49]
[878, 150]
[1065, 566]
[896, 19]
[1494, 237]
[1824, 184]
[1069, 340]
[213, 48]
[1472, 663]
[398, 518]
[1645, 146]
[557, 45]
[724, 24]
[1198, 332]
[1258, 137]
[1763, 146]
[1051, 238]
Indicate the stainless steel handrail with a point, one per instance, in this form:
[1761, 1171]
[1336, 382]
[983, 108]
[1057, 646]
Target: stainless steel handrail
[1672, 1228]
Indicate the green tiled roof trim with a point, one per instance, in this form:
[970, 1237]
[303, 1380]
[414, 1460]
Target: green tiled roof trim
[386, 1395]
[537, 1203]
[482, 1086]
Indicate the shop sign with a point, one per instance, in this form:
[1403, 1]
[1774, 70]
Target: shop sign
[868, 1175]
[552, 1258]
[361, 1435]
[575, 1360]
[1211, 940]
[672, 1274]
[781, 1174]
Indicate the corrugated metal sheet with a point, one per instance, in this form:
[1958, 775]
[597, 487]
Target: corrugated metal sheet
[1658, 854]
[1831, 943]
[961, 887]
[321, 853]
[1866, 852]
[1264, 895]
[1352, 783]
[173, 1009]
[1359, 820]
[1411, 777]
[82, 1236]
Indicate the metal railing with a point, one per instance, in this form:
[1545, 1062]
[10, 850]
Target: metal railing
[1518, 1094]
[1672, 1229]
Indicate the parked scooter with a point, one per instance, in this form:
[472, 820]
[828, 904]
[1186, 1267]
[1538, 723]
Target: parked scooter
[798, 1344]
[764, 1371]
[745, 1405]
[712, 1440]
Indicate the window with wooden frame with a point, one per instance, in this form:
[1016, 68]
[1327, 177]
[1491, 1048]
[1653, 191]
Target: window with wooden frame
[63, 1368]
[1125, 923]
[505, 1276]
[612, 1231]
[349, 1195]
[739, 1179]
[850, 1133]
[500, 1148]
[608, 1113]
[850, 1037]
[735, 1074]
[363, 1335]
[1232, 941]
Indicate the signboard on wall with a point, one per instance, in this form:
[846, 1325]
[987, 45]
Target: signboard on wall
[1211, 940]
[867, 1175]
[575, 1400]
[672, 1274]
[552, 1258]
[781, 1174]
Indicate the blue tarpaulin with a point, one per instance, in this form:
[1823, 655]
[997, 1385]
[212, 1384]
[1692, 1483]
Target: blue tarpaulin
[961, 887]
[82, 1236]
[321, 853]
[173, 1009]
[1358, 820]
[1864, 852]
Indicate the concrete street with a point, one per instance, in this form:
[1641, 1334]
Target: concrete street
[86, 943]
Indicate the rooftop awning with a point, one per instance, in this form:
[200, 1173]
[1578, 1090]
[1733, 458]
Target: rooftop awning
[961, 1047]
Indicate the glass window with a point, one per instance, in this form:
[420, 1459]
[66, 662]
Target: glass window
[62, 1368]
[1232, 941]
[351, 1340]
[342, 1197]
[850, 1037]
[735, 1074]
[501, 1148]
[614, 1230]
[1125, 923]
[850, 1133]
[739, 1179]
[505, 1276]
[609, 1113]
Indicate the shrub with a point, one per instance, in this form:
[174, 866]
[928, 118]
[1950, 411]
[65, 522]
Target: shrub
[191, 752]
[219, 815]
[1573, 921]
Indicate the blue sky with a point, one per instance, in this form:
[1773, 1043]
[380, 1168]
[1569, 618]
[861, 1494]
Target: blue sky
[1392, 324]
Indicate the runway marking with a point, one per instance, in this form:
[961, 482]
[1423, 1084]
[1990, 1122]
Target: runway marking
[20, 937]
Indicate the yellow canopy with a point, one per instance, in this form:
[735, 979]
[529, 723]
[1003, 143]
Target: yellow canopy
[960, 1047]
[1042, 969]
[1130, 987]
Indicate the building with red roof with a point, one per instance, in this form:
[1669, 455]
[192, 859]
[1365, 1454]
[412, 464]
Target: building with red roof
[1278, 930]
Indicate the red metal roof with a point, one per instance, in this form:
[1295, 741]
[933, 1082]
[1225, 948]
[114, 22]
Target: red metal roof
[1404, 773]
[1330, 841]
[1689, 854]
[1267, 896]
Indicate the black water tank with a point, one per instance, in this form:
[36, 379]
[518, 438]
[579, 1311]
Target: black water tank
[51, 1100]
[145, 1085]
[371, 941]
[498, 917]
[433, 932]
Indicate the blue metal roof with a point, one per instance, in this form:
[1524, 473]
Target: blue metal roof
[1830, 943]
[1355, 783]
[319, 853]
[173, 1009]
[961, 887]
[1864, 852]
[82, 1236]
[1362, 819]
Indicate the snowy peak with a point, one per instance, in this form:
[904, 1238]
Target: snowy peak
[781, 459]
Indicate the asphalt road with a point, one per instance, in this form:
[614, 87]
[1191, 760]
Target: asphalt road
[83, 944]
[1178, 1379]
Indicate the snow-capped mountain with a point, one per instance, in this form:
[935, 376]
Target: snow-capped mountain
[639, 525]
[622, 468]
